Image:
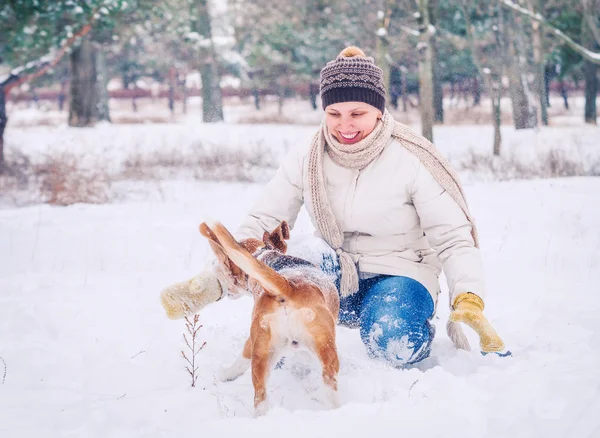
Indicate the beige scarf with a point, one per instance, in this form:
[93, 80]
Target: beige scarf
[359, 156]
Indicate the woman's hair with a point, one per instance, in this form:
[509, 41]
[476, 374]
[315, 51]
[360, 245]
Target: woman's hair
[352, 77]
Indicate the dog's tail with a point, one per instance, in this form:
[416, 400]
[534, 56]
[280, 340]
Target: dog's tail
[273, 283]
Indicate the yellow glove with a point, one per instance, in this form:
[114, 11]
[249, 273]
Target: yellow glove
[188, 297]
[468, 308]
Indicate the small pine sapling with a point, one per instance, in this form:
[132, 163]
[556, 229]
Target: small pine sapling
[194, 346]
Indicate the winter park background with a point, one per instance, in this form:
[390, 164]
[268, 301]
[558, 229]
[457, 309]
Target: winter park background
[97, 215]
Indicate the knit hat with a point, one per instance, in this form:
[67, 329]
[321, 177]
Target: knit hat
[352, 77]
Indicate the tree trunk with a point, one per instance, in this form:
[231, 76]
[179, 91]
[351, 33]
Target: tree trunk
[62, 95]
[564, 93]
[280, 99]
[404, 87]
[382, 59]
[383, 43]
[184, 94]
[83, 106]
[547, 79]
[476, 91]
[3, 122]
[171, 93]
[313, 93]
[256, 96]
[495, 86]
[212, 104]
[523, 110]
[102, 84]
[590, 73]
[493, 71]
[496, 100]
[425, 71]
[591, 91]
[538, 59]
[438, 89]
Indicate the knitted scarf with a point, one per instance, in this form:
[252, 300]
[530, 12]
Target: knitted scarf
[358, 156]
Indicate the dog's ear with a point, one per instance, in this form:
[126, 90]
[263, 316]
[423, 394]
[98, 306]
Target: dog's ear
[285, 230]
[278, 237]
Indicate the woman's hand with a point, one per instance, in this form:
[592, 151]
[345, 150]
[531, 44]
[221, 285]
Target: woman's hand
[468, 308]
[188, 297]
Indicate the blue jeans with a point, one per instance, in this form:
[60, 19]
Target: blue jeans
[393, 314]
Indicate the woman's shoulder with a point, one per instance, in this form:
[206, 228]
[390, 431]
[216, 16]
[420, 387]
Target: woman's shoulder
[396, 151]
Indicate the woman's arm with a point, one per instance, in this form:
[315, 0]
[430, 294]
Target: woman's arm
[449, 233]
[281, 199]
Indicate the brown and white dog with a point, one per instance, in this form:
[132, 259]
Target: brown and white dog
[295, 305]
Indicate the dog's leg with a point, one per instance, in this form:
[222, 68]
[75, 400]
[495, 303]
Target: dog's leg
[240, 366]
[261, 359]
[324, 338]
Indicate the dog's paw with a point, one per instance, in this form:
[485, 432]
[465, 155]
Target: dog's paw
[234, 371]
[261, 408]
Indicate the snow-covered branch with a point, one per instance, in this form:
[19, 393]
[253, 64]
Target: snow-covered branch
[40, 66]
[587, 54]
[409, 30]
[590, 17]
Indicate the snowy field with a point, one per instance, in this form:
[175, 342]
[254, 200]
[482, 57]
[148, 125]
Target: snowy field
[87, 350]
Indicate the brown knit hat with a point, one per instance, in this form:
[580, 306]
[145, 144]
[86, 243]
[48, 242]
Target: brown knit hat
[352, 77]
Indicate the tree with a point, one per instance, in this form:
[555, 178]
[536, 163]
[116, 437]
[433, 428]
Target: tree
[35, 37]
[212, 105]
[426, 31]
[524, 111]
[84, 92]
[589, 55]
[489, 61]
[438, 90]
[540, 65]
[590, 36]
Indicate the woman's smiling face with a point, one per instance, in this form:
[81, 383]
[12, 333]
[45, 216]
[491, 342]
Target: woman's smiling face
[350, 122]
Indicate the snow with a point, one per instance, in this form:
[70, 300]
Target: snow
[89, 351]
[381, 32]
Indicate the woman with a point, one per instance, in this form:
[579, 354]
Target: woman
[391, 209]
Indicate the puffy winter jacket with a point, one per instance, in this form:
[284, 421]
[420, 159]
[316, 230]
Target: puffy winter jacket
[396, 218]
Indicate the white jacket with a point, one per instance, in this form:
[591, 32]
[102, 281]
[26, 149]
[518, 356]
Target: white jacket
[385, 211]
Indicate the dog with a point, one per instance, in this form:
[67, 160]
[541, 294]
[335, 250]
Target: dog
[295, 305]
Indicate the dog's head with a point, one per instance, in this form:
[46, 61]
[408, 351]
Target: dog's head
[228, 273]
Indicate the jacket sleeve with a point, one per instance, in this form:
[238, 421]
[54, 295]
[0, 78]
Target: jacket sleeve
[449, 233]
[281, 199]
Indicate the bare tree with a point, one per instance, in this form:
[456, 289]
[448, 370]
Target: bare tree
[426, 30]
[491, 72]
[438, 91]
[383, 43]
[212, 104]
[83, 96]
[538, 58]
[524, 111]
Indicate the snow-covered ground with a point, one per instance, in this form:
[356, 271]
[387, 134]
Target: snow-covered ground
[87, 350]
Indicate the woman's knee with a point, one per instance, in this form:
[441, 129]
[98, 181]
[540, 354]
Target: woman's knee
[394, 321]
[406, 296]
